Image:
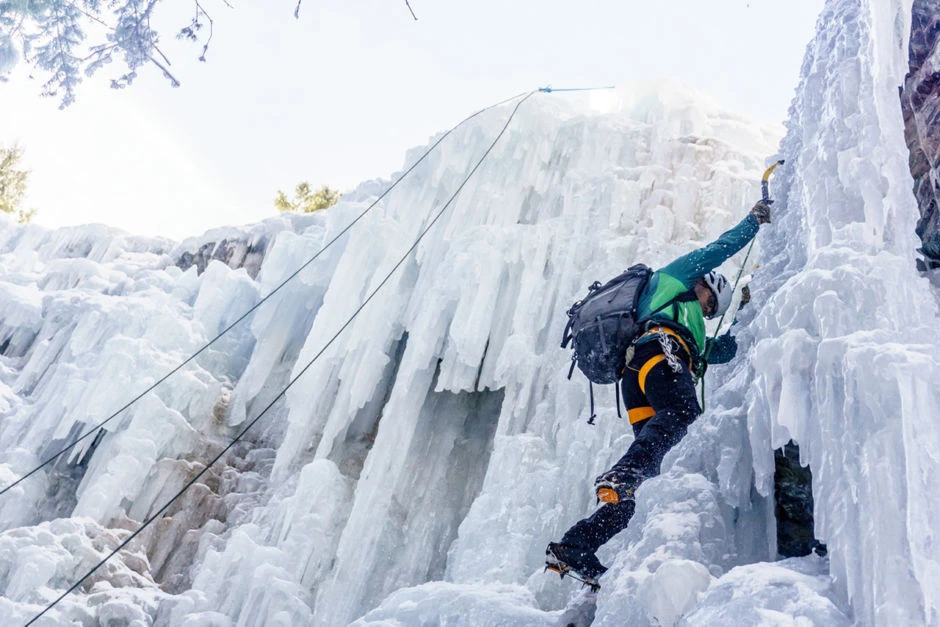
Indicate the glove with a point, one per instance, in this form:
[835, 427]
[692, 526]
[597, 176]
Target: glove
[699, 366]
[722, 349]
[761, 211]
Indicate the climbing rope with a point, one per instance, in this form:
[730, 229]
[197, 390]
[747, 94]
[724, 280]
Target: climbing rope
[258, 304]
[549, 89]
[280, 395]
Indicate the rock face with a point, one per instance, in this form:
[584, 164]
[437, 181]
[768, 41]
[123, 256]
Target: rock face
[235, 253]
[793, 496]
[237, 246]
[920, 103]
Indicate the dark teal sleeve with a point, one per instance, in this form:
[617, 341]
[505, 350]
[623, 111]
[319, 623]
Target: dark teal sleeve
[721, 350]
[690, 268]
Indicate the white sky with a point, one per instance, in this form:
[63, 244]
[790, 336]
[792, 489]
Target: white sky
[338, 96]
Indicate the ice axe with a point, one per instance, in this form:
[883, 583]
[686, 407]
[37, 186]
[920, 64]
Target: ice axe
[765, 182]
[746, 296]
[766, 199]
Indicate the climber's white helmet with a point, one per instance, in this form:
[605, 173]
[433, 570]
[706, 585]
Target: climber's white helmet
[720, 287]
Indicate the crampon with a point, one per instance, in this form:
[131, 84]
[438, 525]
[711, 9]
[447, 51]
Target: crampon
[578, 564]
[563, 570]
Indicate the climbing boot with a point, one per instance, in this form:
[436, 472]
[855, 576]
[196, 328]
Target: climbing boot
[565, 559]
[616, 486]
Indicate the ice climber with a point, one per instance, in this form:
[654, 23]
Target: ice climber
[659, 386]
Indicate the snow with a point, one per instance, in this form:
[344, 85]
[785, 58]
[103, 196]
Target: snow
[418, 465]
[442, 603]
[845, 360]
[793, 592]
[40, 562]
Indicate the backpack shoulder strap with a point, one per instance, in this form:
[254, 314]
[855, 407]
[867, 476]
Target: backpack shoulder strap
[684, 297]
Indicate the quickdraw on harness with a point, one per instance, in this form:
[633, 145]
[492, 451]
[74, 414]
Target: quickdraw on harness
[666, 343]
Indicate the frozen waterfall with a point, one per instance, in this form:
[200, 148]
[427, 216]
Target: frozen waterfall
[415, 472]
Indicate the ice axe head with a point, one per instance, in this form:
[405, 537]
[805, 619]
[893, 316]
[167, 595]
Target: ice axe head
[765, 182]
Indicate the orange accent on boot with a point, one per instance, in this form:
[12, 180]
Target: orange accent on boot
[557, 568]
[607, 495]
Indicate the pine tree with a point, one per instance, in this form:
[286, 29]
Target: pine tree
[305, 200]
[13, 183]
[51, 35]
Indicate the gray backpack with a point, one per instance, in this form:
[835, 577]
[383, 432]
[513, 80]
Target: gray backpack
[602, 325]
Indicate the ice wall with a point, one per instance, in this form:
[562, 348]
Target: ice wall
[89, 318]
[436, 440]
[845, 353]
[446, 405]
[414, 473]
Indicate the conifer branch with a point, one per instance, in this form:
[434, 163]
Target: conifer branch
[49, 36]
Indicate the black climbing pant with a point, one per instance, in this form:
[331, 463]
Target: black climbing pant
[661, 404]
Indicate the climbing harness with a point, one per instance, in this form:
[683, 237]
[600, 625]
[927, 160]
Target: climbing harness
[603, 328]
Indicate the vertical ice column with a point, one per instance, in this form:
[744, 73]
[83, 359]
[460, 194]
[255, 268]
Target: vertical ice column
[424, 471]
[845, 355]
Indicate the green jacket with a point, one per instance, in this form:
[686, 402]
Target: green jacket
[680, 276]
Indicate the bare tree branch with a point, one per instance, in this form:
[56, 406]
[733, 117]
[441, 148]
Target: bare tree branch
[166, 73]
[160, 52]
[190, 32]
